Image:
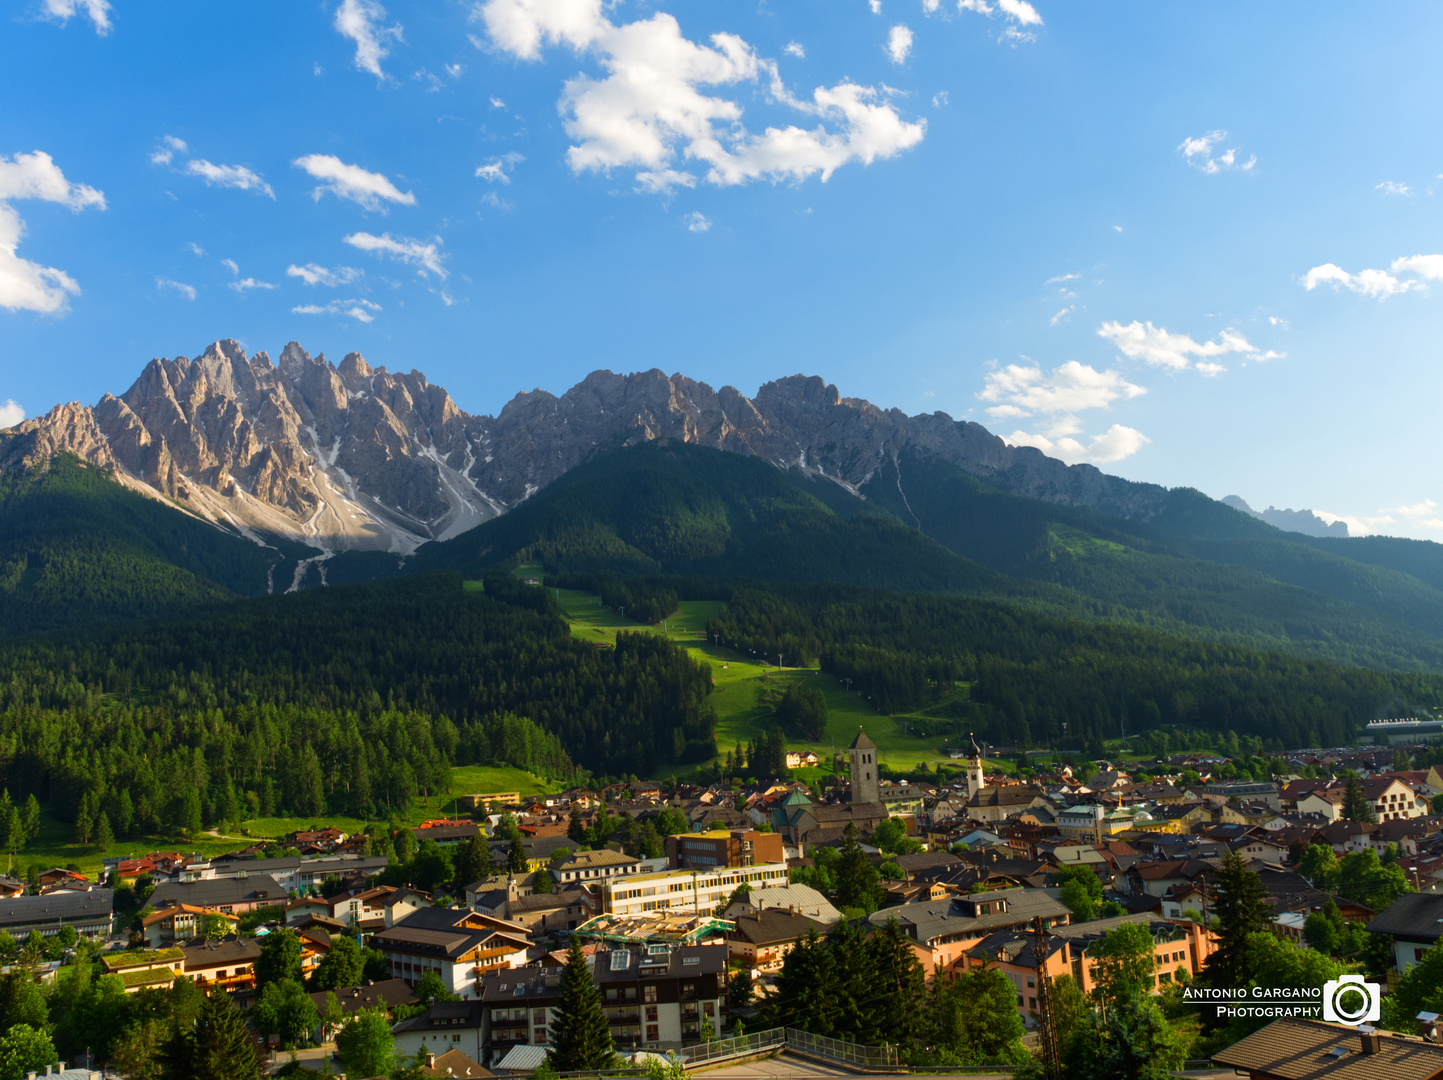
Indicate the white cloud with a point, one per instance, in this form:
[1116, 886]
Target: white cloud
[425, 257]
[899, 43]
[1114, 444]
[1198, 152]
[231, 265]
[696, 221]
[793, 48]
[930, 6]
[10, 413]
[1020, 10]
[1161, 348]
[1016, 13]
[1019, 390]
[1419, 517]
[313, 274]
[939, 99]
[1394, 187]
[876, 6]
[360, 310]
[492, 199]
[1065, 313]
[235, 176]
[1429, 267]
[36, 176]
[365, 189]
[360, 21]
[455, 71]
[497, 103]
[1278, 321]
[663, 180]
[1379, 283]
[1117, 228]
[166, 151]
[495, 170]
[650, 107]
[1058, 279]
[196, 249]
[24, 285]
[187, 291]
[244, 285]
[61, 11]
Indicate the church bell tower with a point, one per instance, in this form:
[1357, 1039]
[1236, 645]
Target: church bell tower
[866, 787]
[974, 770]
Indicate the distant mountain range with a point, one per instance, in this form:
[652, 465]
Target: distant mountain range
[229, 475]
[355, 457]
[1299, 521]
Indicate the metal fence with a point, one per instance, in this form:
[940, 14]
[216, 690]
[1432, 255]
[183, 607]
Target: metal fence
[871, 1057]
[804, 1042]
[756, 1042]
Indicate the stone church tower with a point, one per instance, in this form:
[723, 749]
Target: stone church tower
[866, 787]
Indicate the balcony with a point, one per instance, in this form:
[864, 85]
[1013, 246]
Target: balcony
[619, 1016]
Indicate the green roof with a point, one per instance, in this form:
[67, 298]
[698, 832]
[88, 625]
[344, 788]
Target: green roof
[138, 957]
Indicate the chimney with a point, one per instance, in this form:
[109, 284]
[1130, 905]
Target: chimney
[430, 1060]
[1372, 1042]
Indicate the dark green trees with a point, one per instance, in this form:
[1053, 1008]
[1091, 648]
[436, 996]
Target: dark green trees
[1355, 804]
[857, 887]
[1242, 909]
[582, 1037]
[218, 1047]
[866, 989]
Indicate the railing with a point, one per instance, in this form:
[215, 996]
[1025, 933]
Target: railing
[872, 1057]
[751, 1043]
[803, 1042]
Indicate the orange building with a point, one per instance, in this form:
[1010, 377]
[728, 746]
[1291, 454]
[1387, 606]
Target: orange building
[1181, 947]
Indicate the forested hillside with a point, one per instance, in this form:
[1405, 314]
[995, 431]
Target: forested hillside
[76, 547]
[1030, 674]
[344, 700]
[1198, 566]
[685, 509]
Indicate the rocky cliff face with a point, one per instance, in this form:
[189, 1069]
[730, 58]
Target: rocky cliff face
[352, 456]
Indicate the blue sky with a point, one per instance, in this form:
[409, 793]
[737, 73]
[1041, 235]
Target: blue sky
[1194, 244]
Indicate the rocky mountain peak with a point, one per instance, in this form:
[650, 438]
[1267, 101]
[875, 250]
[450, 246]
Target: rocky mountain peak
[361, 457]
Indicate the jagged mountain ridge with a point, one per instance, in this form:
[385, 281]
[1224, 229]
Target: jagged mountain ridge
[355, 457]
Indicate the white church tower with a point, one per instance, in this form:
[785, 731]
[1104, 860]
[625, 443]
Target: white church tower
[974, 770]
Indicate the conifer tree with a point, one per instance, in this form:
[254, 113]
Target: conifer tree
[1355, 803]
[575, 830]
[516, 860]
[104, 837]
[218, 1047]
[582, 1037]
[1242, 909]
[856, 876]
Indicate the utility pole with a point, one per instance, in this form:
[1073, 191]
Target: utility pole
[848, 682]
[1051, 1052]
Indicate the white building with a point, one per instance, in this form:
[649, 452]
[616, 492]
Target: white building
[681, 892]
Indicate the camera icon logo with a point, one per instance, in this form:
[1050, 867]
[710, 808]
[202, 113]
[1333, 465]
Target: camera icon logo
[1350, 1000]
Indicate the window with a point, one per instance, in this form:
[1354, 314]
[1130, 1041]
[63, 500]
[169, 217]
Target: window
[650, 992]
[651, 1014]
[653, 1033]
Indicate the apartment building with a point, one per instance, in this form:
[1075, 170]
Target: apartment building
[655, 997]
[692, 892]
[707, 850]
[460, 946]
